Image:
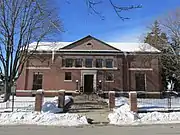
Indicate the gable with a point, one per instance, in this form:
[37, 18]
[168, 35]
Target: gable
[89, 43]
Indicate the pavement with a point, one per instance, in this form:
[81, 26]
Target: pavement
[173, 129]
[93, 107]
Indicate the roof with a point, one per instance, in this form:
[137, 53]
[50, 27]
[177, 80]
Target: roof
[125, 47]
[133, 47]
[48, 46]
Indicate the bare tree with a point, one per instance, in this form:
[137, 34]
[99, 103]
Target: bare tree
[165, 36]
[21, 22]
[116, 7]
[171, 58]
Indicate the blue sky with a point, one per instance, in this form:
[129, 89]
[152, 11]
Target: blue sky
[78, 22]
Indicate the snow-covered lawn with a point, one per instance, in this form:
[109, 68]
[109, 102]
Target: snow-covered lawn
[37, 118]
[150, 104]
[24, 113]
[122, 115]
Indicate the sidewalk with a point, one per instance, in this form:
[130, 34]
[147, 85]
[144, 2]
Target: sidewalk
[93, 107]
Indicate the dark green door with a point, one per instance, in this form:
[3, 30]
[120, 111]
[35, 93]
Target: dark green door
[88, 83]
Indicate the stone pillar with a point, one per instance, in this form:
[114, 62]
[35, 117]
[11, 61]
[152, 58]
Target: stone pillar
[133, 101]
[39, 100]
[61, 98]
[111, 99]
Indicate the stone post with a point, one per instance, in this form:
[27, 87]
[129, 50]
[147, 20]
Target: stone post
[39, 100]
[133, 101]
[111, 99]
[61, 98]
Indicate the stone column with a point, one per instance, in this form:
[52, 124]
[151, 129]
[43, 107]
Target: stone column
[61, 98]
[133, 101]
[111, 99]
[39, 100]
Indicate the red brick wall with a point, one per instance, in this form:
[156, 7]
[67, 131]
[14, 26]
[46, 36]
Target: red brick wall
[53, 78]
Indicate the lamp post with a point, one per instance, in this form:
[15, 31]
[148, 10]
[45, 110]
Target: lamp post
[100, 85]
[77, 84]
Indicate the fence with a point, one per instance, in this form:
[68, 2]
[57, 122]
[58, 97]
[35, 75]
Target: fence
[20, 104]
[151, 101]
[31, 103]
[156, 101]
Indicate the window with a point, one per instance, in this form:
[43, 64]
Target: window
[109, 76]
[78, 63]
[69, 62]
[140, 81]
[109, 63]
[88, 62]
[68, 76]
[99, 63]
[37, 81]
[89, 44]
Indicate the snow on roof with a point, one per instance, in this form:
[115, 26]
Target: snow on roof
[133, 47]
[125, 47]
[48, 46]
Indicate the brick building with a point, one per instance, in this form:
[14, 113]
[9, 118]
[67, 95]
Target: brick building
[89, 63]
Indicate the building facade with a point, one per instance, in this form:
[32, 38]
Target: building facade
[90, 64]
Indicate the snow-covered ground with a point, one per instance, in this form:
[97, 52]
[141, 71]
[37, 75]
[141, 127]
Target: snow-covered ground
[24, 113]
[122, 115]
[37, 118]
[145, 104]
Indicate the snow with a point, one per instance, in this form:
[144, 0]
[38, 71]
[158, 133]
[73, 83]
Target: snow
[37, 118]
[24, 113]
[133, 47]
[146, 104]
[123, 116]
[125, 47]
[158, 104]
[48, 46]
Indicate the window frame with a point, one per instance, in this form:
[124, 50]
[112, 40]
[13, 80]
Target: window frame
[101, 60]
[65, 79]
[85, 64]
[112, 76]
[39, 77]
[66, 62]
[140, 76]
[107, 62]
[81, 60]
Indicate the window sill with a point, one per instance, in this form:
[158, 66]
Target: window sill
[67, 80]
[103, 68]
[109, 81]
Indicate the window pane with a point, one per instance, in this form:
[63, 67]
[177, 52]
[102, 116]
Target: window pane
[78, 63]
[88, 62]
[109, 76]
[69, 63]
[109, 63]
[37, 81]
[67, 75]
[99, 63]
[140, 81]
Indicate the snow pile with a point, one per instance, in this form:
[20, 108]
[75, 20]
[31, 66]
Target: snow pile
[51, 107]
[158, 117]
[123, 115]
[119, 101]
[36, 118]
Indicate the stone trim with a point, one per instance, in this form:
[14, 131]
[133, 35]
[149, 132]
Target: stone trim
[38, 68]
[141, 69]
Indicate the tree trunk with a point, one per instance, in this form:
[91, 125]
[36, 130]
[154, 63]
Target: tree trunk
[7, 91]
